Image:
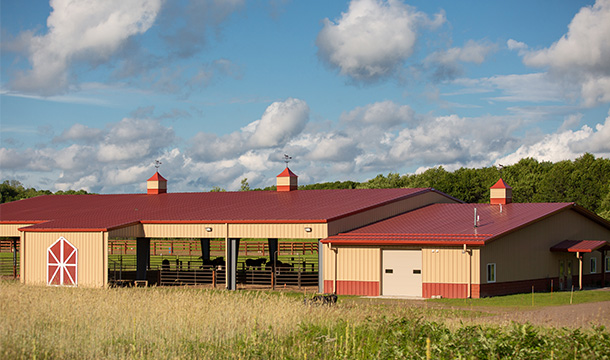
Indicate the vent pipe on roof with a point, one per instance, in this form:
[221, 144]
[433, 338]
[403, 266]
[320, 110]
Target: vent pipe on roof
[476, 218]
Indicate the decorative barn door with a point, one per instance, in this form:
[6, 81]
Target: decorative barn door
[62, 260]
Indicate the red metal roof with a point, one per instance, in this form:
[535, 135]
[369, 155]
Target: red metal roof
[579, 245]
[103, 212]
[446, 224]
[156, 177]
[287, 173]
[500, 184]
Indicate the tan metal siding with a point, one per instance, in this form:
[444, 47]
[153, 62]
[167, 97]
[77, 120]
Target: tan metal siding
[450, 265]
[10, 230]
[384, 212]
[353, 263]
[525, 254]
[92, 257]
[133, 231]
[262, 231]
[283, 231]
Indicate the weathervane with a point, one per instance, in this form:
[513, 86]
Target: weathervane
[287, 159]
[157, 164]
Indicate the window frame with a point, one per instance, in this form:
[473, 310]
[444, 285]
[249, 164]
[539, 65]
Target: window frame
[593, 265]
[491, 273]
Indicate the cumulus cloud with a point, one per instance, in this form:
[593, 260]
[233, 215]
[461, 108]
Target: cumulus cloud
[581, 55]
[384, 114]
[281, 121]
[81, 31]
[447, 63]
[79, 132]
[565, 144]
[373, 38]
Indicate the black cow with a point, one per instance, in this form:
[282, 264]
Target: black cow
[255, 263]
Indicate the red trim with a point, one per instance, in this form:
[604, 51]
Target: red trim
[403, 242]
[316, 221]
[503, 201]
[61, 230]
[26, 223]
[351, 287]
[157, 177]
[156, 191]
[286, 188]
[452, 291]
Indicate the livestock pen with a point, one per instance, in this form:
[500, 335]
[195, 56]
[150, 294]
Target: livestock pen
[178, 262]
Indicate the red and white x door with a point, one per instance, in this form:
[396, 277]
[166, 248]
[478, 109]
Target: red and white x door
[62, 260]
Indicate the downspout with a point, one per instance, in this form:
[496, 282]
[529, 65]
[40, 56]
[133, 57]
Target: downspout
[335, 250]
[469, 253]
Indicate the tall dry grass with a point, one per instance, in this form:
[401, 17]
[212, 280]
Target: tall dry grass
[40, 322]
[61, 322]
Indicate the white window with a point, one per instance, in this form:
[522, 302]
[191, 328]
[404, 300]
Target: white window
[593, 265]
[491, 273]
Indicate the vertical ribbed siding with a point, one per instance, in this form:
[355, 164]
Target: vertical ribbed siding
[92, 259]
[450, 265]
[518, 257]
[254, 231]
[357, 270]
[10, 230]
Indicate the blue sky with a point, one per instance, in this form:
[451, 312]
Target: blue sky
[92, 93]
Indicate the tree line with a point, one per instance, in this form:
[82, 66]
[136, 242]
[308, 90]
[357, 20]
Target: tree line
[585, 181]
[12, 190]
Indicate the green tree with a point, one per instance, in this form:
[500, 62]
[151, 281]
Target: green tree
[244, 185]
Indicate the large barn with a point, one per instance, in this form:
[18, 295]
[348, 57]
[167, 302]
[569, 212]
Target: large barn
[402, 242]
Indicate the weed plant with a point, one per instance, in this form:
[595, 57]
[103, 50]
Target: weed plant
[185, 323]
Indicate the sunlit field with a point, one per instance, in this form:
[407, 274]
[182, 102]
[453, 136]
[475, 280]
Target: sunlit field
[176, 323]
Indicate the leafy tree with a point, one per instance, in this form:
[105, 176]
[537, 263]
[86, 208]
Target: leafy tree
[217, 189]
[244, 185]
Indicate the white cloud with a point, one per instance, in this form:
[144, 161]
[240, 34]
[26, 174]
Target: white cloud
[582, 55]
[447, 63]
[565, 144]
[383, 114]
[280, 122]
[79, 132]
[373, 38]
[90, 31]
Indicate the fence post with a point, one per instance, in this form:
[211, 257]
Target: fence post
[299, 278]
[214, 278]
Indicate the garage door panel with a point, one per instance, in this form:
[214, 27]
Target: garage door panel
[401, 272]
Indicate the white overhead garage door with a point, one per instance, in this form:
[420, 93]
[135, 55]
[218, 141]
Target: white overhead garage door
[402, 272]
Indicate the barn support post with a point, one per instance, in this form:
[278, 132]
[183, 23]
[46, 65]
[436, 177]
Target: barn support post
[579, 256]
[604, 269]
[231, 266]
[142, 257]
[272, 250]
[320, 268]
[14, 258]
[205, 249]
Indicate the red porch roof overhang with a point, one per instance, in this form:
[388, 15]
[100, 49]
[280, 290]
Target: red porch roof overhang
[580, 246]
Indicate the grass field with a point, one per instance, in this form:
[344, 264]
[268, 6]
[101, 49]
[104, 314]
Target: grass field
[189, 323]
[535, 300]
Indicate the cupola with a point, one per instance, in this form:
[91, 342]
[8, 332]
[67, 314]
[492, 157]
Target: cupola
[287, 180]
[157, 184]
[500, 193]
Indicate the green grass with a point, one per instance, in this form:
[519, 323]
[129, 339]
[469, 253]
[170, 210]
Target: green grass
[525, 300]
